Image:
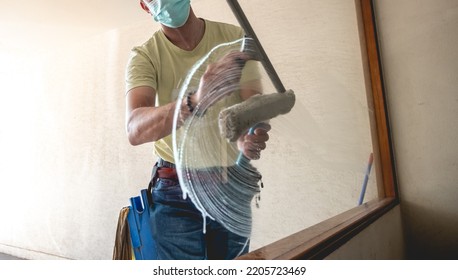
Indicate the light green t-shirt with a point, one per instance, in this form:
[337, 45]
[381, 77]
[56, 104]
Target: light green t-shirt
[163, 66]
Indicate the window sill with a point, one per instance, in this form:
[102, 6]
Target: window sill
[318, 241]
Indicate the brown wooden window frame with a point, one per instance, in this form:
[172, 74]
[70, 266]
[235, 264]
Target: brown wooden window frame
[318, 241]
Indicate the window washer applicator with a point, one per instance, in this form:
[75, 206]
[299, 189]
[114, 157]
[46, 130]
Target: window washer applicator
[235, 120]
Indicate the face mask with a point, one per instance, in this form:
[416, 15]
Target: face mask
[171, 13]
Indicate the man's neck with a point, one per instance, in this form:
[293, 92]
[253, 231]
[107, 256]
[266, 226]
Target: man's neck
[188, 36]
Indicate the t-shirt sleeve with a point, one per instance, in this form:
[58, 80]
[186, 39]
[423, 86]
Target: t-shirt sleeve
[140, 70]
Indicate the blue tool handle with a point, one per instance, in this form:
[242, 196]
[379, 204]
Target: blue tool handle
[242, 159]
[366, 179]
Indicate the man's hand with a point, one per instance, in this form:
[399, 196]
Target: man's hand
[220, 79]
[251, 145]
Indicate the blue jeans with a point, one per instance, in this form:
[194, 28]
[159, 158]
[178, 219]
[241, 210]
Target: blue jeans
[178, 229]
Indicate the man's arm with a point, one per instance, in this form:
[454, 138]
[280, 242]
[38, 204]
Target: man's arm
[145, 122]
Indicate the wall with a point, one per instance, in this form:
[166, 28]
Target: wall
[382, 240]
[418, 44]
[67, 168]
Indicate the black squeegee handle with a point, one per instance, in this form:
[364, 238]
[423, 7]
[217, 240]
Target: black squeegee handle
[249, 32]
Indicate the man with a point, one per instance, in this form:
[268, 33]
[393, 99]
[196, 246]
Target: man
[154, 72]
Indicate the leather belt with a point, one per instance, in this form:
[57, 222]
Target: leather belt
[167, 173]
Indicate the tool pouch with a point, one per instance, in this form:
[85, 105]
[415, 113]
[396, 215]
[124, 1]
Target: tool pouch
[134, 237]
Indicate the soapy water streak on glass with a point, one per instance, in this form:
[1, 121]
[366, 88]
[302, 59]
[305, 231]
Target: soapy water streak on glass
[318, 149]
[206, 162]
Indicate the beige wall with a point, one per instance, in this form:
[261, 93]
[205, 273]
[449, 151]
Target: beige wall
[382, 240]
[420, 60]
[67, 168]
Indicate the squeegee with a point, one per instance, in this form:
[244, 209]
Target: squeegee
[235, 120]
